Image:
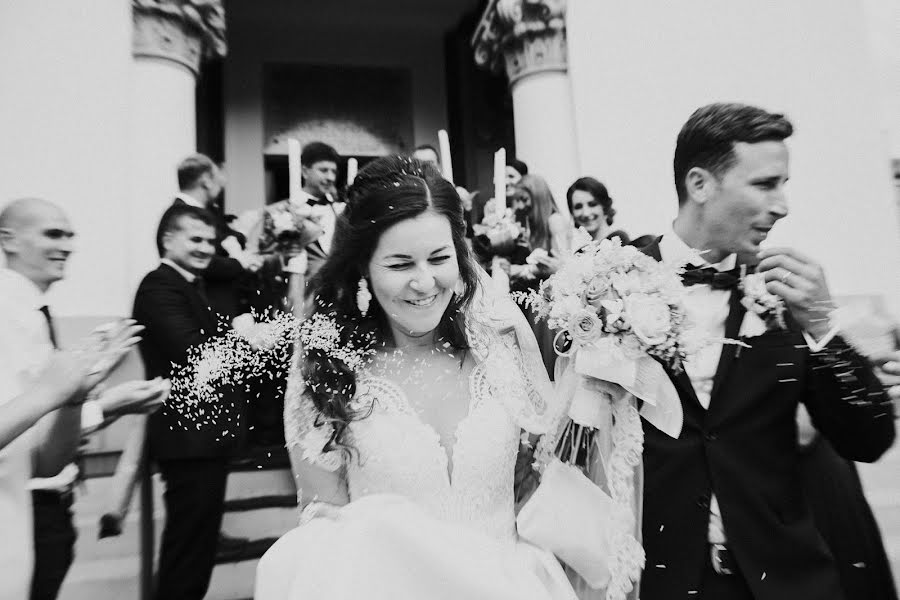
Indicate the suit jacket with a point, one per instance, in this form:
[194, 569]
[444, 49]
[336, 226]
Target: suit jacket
[744, 449]
[176, 317]
[224, 275]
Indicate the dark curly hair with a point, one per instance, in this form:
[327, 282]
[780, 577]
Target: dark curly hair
[386, 192]
[595, 189]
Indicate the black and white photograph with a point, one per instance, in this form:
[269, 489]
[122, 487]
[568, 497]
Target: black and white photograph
[449, 300]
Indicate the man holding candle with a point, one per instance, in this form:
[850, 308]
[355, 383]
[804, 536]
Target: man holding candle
[306, 219]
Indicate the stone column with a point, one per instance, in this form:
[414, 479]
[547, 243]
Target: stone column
[527, 38]
[170, 40]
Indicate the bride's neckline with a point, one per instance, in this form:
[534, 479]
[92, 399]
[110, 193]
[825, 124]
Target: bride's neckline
[406, 407]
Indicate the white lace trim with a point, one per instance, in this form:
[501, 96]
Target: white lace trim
[628, 557]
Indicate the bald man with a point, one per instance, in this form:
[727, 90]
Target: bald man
[36, 380]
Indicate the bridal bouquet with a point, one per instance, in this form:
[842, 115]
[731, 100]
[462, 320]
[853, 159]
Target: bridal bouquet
[620, 319]
[288, 227]
[499, 232]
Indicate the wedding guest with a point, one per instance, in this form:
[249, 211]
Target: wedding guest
[592, 210]
[515, 170]
[547, 235]
[319, 165]
[171, 303]
[201, 183]
[41, 403]
[427, 153]
[724, 515]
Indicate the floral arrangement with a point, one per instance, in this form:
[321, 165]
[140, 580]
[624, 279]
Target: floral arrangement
[618, 299]
[620, 318]
[758, 300]
[499, 229]
[288, 228]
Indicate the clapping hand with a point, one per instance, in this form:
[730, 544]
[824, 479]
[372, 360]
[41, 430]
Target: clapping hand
[800, 282]
[134, 397]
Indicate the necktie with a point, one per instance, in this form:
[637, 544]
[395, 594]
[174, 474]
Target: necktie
[51, 331]
[717, 280]
[200, 286]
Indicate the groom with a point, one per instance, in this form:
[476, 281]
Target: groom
[724, 515]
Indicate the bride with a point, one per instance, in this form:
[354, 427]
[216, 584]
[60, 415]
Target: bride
[405, 464]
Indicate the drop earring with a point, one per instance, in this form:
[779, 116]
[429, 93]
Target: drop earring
[363, 296]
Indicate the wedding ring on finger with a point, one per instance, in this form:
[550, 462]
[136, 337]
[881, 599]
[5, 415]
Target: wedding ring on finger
[785, 277]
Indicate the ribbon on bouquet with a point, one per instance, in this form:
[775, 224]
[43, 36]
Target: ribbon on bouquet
[642, 377]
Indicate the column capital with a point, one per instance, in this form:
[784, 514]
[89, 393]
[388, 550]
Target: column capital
[183, 31]
[527, 36]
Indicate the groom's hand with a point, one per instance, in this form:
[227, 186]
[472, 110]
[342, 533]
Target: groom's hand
[800, 281]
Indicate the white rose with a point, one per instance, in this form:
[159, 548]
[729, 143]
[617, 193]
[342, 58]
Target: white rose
[565, 307]
[584, 326]
[755, 285]
[281, 222]
[627, 283]
[649, 318]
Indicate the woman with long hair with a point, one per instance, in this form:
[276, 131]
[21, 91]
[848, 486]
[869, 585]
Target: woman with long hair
[412, 385]
[548, 234]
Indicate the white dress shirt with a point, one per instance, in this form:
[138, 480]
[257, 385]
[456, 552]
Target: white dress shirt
[326, 214]
[24, 348]
[189, 200]
[708, 310]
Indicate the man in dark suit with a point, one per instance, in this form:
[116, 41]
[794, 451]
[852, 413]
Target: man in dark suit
[201, 183]
[172, 305]
[724, 515]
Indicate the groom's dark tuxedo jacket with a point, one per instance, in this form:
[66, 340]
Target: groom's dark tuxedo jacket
[744, 449]
[176, 317]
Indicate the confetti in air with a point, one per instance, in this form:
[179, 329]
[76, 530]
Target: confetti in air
[232, 360]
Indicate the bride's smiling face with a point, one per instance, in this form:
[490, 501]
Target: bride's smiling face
[412, 273]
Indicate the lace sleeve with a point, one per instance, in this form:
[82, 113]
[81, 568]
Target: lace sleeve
[502, 338]
[303, 427]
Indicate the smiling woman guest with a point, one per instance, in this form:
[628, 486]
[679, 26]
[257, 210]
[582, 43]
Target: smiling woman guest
[413, 382]
[591, 208]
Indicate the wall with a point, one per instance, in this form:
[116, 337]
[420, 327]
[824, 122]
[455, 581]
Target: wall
[807, 58]
[276, 31]
[65, 110]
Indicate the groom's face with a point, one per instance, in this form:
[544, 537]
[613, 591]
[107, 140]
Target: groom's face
[744, 203]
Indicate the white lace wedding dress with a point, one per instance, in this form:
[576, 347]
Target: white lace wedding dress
[414, 529]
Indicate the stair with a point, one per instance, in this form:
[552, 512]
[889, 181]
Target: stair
[260, 505]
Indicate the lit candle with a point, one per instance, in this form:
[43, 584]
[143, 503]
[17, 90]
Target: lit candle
[500, 177]
[446, 158]
[295, 184]
[352, 167]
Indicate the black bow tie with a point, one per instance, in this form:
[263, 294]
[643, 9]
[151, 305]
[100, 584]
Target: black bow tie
[717, 280]
[316, 201]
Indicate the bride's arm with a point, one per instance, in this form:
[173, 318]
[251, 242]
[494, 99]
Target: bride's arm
[318, 475]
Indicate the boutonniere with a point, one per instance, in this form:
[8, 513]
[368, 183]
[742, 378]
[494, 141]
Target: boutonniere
[758, 301]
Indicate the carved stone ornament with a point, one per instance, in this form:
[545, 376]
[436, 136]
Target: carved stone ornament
[183, 31]
[527, 36]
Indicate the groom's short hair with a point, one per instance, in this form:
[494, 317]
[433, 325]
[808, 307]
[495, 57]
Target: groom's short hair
[707, 138]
